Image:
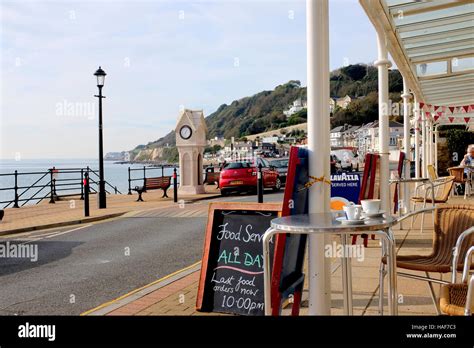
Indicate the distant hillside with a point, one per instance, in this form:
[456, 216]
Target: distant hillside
[264, 111]
[260, 112]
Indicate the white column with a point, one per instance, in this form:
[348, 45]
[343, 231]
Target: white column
[424, 152]
[406, 141]
[428, 143]
[317, 32]
[431, 135]
[416, 112]
[383, 64]
[436, 134]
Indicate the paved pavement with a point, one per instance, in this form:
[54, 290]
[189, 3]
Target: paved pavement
[81, 267]
[176, 294]
[179, 296]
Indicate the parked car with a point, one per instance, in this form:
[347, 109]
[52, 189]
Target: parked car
[281, 166]
[241, 176]
[349, 160]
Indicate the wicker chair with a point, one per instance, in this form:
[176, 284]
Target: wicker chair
[458, 174]
[453, 236]
[432, 195]
[432, 174]
[458, 298]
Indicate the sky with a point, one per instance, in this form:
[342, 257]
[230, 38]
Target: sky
[160, 56]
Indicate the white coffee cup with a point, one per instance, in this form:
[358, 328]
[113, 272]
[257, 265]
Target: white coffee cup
[353, 212]
[370, 206]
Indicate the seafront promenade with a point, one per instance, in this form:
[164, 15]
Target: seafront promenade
[70, 211]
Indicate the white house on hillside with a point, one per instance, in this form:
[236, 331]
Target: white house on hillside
[297, 106]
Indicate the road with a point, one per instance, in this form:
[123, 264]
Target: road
[79, 268]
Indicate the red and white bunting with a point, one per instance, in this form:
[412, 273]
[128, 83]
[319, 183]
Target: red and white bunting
[467, 119]
[441, 111]
[451, 119]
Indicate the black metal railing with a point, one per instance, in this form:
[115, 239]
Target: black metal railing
[47, 184]
[57, 183]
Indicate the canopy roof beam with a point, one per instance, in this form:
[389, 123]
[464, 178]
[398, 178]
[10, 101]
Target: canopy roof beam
[436, 33]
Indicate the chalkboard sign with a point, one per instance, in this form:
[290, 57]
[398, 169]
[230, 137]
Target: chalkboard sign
[232, 265]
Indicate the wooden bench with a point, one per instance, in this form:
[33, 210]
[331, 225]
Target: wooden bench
[163, 182]
[211, 178]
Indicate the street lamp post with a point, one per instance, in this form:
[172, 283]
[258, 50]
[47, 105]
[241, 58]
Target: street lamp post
[100, 74]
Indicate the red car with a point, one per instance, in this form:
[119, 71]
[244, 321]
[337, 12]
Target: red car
[242, 176]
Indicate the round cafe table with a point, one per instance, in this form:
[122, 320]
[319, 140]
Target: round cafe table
[326, 223]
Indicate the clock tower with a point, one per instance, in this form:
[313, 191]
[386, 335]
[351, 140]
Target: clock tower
[191, 141]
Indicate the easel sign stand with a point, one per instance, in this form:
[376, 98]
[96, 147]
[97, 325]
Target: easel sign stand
[288, 258]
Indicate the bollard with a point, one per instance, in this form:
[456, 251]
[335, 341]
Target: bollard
[82, 184]
[16, 190]
[259, 184]
[129, 182]
[175, 186]
[86, 194]
[54, 188]
[51, 200]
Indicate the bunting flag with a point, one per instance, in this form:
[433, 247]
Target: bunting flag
[436, 118]
[451, 119]
[467, 119]
[441, 110]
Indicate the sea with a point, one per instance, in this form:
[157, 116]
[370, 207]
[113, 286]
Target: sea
[115, 173]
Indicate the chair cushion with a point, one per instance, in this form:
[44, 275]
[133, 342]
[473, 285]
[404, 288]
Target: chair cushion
[453, 299]
[428, 200]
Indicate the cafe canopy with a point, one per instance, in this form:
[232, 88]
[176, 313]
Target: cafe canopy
[432, 45]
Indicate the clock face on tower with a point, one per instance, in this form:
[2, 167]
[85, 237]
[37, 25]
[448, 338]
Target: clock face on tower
[185, 132]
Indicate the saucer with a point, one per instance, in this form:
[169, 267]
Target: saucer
[346, 221]
[374, 215]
